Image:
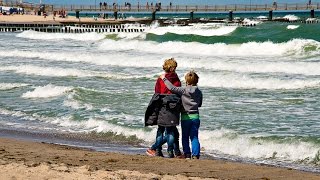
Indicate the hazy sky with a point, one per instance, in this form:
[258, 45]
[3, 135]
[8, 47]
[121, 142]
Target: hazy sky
[175, 2]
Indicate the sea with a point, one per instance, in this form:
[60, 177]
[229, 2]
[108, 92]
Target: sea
[260, 85]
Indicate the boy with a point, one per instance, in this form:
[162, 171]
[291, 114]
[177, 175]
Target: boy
[172, 134]
[190, 122]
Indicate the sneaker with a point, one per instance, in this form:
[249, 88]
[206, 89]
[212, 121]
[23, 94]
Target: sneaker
[170, 154]
[151, 152]
[195, 157]
[181, 156]
[159, 153]
[187, 156]
[177, 152]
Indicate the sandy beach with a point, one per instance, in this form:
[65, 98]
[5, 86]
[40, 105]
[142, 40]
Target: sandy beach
[33, 160]
[27, 18]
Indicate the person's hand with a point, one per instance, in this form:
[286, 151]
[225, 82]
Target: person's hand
[162, 76]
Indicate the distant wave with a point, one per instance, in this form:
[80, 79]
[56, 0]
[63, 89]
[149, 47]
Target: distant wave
[246, 82]
[292, 26]
[8, 86]
[255, 66]
[47, 91]
[74, 104]
[58, 36]
[194, 29]
[293, 47]
[62, 72]
[291, 17]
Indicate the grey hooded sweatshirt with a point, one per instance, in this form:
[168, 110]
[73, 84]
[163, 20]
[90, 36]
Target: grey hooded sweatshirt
[191, 97]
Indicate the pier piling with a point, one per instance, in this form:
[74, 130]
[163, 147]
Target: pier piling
[312, 15]
[191, 15]
[77, 14]
[115, 14]
[230, 15]
[270, 15]
[153, 15]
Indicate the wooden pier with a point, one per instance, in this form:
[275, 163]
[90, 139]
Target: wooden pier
[186, 8]
[51, 27]
[116, 26]
[167, 8]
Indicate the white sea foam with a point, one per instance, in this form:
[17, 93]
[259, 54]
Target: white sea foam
[103, 126]
[291, 17]
[47, 71]
[93, 58]
[254, 66]
[246, 82]
[262, 18]
[13, 113]
[248, 22]
[66, 124]
[8, 86]
[47, 91]
[293, 47]
[74, 104]
[131, 35]
[61, 72]
[229, 142]
[292, 26]
[92, 36]
[195, 29]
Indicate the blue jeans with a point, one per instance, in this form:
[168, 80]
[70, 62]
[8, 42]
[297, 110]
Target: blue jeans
[190, 130]
[160, 140]
[171, 137]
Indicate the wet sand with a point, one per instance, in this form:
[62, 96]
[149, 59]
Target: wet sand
[33, 160]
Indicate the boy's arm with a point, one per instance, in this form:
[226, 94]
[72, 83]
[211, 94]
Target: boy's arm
[171, 87]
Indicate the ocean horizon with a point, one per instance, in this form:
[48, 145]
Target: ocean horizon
[260, 85]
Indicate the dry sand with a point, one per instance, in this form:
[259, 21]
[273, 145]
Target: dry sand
[32, 160]
[16, 18]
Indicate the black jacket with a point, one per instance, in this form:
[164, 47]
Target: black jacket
[163, 110]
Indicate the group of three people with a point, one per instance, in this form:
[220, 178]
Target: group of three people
[169, 102]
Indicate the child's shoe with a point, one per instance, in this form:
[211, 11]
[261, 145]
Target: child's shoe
[158, 152]
[171, 155]
[179, 155]
[151, 152]
[195, 157]
[187, 156]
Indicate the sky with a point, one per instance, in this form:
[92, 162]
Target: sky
[166, 2]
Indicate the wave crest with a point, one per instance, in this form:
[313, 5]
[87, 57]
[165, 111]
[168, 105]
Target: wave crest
[47, 91]
[92, 36]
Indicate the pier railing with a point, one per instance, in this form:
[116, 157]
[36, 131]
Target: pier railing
[186, 8]
[168, 8]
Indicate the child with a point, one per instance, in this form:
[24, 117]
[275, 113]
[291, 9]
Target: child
[172, 134]
[190, 122]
